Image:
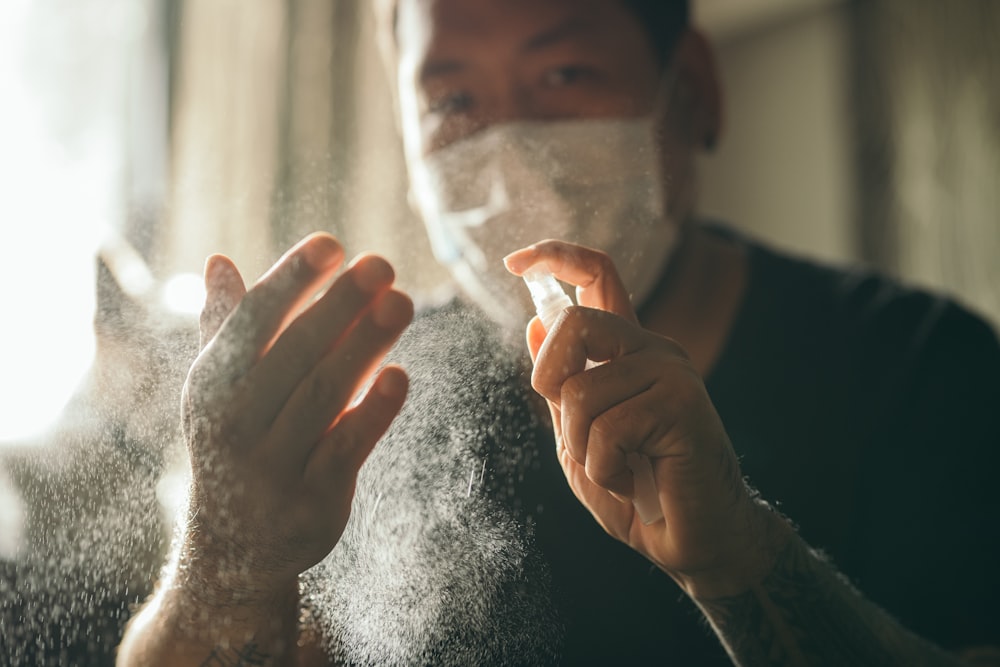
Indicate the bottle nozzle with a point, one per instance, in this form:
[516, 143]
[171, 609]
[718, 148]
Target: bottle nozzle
[550, 300]
[547, 295]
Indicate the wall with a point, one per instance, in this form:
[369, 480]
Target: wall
[782, 168]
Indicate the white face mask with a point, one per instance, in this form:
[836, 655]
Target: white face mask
[596, 183]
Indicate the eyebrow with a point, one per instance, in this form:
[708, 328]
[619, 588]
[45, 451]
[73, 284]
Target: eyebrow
[560, 32]
[437, 68]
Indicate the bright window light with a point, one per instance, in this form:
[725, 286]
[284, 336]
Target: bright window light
[61, 115]
[184, 294]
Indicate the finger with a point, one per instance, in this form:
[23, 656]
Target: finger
[592, 271]
[624, 428]
[316, 331]
[556, 415]
[274, 300]
[536, 336]
[585, 396]
[340, 454]
[224, 289]
[325, 393]
[609, 511]
[579, 335]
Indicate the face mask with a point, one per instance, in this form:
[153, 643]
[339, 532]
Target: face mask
[596, 183]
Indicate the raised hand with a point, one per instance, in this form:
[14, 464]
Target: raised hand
[274, 439]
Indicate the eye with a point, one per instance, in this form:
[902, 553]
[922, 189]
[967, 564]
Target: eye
[568, 75]
[457, 102]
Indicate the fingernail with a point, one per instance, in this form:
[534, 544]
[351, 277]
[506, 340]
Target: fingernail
[514, 261]
[390, 385]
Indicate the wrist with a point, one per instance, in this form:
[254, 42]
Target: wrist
[212, 616]
[174, 628]
[223, 572]
[753, 559]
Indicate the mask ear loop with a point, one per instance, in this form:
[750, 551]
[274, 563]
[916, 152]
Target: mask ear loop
[668, 84]
[666, 89]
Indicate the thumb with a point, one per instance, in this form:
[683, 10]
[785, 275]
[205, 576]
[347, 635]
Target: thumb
[224, 289]
[536, 336]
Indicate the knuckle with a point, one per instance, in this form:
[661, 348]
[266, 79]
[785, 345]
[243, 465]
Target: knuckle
[686, 393]
[541, 382]
[625, 372]
[299, 268]
[617, 424]
[212, 378]
[575, 390]
[321, 388]
[606, 427]
[603, 260]
[674, 348]
[574, 316]
[603, 472]
[252, 304]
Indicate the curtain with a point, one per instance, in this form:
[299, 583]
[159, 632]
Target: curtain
[282, 125]
[927, 99]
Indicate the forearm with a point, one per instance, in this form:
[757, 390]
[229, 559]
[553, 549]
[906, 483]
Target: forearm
[805, 613]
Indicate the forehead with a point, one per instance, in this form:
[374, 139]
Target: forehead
[475, 25]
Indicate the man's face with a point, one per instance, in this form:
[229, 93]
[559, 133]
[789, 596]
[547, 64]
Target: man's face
[467, 64]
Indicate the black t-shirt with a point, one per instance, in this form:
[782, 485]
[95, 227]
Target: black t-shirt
[869, 414]
[864, 411]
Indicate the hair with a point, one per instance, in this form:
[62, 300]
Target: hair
[663, 20]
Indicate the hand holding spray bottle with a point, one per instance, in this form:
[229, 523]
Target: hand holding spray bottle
[550, 299]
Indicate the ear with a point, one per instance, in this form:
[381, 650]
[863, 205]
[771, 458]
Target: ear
[695, 108]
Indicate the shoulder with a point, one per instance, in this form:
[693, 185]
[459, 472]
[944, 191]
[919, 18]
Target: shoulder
[892, 330]
[892, 366]
[911, 385]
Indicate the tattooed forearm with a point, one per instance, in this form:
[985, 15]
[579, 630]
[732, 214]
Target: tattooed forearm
[247, 656]
[805, 613]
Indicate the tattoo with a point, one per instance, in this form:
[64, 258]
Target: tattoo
[805, 613]
[229, 657]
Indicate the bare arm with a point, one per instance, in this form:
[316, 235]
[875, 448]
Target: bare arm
[805, 613]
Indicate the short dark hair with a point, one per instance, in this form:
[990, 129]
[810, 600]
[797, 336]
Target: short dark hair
[664, 21]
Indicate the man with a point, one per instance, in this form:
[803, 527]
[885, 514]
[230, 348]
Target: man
[863, 408]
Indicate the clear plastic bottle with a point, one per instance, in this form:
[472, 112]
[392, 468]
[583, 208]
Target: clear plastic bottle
[550, 299]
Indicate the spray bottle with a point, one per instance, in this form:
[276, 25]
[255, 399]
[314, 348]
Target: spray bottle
[550, 299]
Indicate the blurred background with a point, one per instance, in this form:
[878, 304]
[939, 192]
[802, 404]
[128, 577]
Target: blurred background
[857, 131]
